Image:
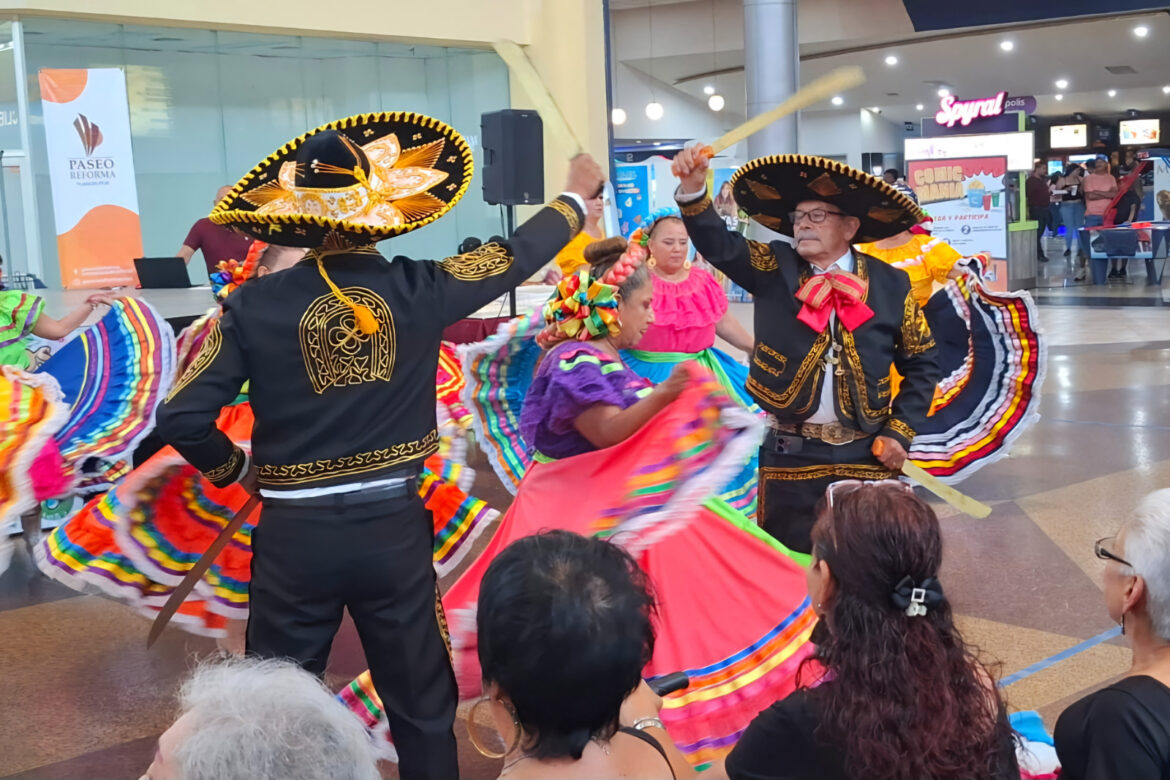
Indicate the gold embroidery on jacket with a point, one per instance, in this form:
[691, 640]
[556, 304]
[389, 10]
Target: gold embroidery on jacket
[761, 256]
[696, 208]
[809, 370]
[441, 619]
[204, 358]
[901, 428]
[776, 356]
[868, 414]
[226, 470]
[336, 352]
[361, 463]
[481, 263]
[569, 213]
[916, 335]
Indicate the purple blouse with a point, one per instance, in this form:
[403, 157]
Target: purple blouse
[573, 377]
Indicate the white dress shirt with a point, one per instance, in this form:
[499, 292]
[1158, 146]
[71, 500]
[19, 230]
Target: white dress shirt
[826, 413]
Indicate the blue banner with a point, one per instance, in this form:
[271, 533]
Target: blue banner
[633, 196]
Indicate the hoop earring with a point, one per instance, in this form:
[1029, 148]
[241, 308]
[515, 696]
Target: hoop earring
[475, 743]
[687, 265]
[651, 263]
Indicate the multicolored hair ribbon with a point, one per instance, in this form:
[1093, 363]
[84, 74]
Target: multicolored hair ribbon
[582, 309]
[230, 274]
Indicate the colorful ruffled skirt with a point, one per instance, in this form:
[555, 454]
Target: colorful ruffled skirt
[733, 612]
[137, 542]
[993, 358]
[104, 386]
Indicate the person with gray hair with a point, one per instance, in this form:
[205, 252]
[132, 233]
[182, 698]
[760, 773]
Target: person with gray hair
[250, 719]
[1122, 732]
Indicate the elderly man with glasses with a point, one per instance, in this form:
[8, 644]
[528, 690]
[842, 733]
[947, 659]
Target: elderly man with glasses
[830, 325]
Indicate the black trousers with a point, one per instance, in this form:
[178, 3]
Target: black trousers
[794, 474]
[308, 564]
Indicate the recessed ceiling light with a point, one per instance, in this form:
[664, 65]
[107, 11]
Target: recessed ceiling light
[1112, 93]
[891, 60]
[1141, 31]
[1059, 97]
[715, 103]
[919, 107]
[708, 90]
[1062, 83]
[943, 92]
[838, 100]
[875, 109]
[1166, 90]
[1007, 45]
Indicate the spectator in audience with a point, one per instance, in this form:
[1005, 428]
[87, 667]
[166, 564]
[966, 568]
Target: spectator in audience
[893, 177]
[1054, 222]
[1122, 732]
[261, 720]
[900, 694]
[217, 243]
[1036, 192]
[1072, 214]
[564, 629]
[1100, 189]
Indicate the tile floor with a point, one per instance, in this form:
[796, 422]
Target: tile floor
[82, 697]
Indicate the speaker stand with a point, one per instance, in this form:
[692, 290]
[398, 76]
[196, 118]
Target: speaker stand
[509, 229]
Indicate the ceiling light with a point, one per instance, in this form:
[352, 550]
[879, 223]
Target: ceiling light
[618, 116]
[838, 100]
[654, 110]
[1112, 93]
[919, 107]
[891, 60]
[1007, 45]
[1141, 31]
[708, 90]
[875, 109]
[715, 102]
[943, 92]
[1166, 90]
[1059, 97]
[1062, 83]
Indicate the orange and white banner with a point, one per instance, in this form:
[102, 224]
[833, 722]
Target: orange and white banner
[91, 170]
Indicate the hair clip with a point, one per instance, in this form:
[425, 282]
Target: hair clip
[915, 600]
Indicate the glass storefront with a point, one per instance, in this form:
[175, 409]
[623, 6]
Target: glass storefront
[207, 105]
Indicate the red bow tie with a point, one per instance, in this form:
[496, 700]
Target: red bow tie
[836, 291]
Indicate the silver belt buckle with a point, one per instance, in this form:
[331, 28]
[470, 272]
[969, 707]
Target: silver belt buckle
[835, 433]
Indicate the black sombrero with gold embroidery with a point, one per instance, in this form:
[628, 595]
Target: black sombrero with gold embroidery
[351, 183]
[770, 188]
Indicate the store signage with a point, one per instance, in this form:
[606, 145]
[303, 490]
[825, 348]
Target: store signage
[952, 110]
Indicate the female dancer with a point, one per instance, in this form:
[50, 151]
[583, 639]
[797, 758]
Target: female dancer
[990, 347]
[603, 452]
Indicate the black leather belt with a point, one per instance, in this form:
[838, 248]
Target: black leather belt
[407, 487]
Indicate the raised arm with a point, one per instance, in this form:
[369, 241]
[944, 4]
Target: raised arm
[466, 282]
[742, 260]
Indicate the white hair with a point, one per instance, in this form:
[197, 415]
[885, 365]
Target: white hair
[269, 720]
[1147, 548]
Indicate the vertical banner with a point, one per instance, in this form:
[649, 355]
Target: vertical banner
[91, 172]
[633, 196]
[967, 199]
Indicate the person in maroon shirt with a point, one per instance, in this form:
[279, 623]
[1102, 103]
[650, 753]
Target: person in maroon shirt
[1036, 191]
[217, 243]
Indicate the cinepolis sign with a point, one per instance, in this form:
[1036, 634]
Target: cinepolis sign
[952, 111]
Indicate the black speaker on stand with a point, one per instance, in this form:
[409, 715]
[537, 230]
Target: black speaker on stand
[513, 164]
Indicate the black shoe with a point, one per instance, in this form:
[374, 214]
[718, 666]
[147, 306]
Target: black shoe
[1043, 258]
[1113, 274]
[1066, 253]
[1122, 273]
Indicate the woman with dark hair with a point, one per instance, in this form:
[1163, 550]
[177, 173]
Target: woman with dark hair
[896, 692]
[564, 628]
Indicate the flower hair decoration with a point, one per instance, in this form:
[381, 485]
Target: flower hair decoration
[582, 309]
[230, 274]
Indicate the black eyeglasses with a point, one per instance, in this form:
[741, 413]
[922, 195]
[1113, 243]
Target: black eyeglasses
[1102, 552]
[815, 216]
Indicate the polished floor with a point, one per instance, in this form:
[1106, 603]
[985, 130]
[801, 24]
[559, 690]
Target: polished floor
[81, 697]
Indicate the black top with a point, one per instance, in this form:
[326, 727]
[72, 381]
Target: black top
[333, 405]
[781, 744]
[788, 363]
[1121, 732]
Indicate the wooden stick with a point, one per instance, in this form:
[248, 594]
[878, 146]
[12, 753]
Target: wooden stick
[530, 81]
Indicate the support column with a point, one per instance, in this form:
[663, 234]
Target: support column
[772, 70]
